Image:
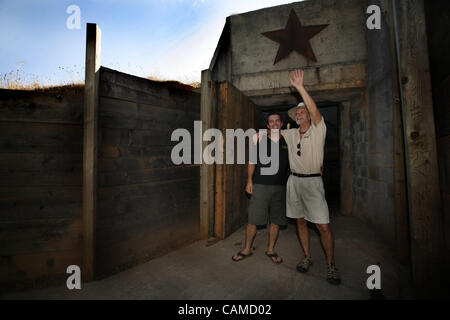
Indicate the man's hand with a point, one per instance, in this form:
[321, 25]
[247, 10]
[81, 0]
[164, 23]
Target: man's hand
[249, 187]
[296, 78]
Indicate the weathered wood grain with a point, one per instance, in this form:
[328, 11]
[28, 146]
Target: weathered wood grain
[146, 204]
[234, 111]
[40, 138]
[32, 106]
[143, 247]
[39, 269]
[109, 179]
[23, 237]
[19, 209]
[425, 216]
[33, 162]
[90, 147]
[123, 86]
[116, 113]
[145, 214]
[206, 175]
[40, 184]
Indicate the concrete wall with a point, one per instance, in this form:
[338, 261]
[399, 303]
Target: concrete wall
[221, 62]
[359, 157]
[379, 126]
[367, 189]
[340, 50]
[346, 158]
[341, 42]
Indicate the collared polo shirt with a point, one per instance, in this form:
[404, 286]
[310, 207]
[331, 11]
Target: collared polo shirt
[311, 146]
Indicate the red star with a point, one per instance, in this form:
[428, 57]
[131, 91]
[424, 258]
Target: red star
[294, 37]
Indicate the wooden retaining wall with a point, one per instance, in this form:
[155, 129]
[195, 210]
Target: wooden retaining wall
[147, 206]
[41, 136]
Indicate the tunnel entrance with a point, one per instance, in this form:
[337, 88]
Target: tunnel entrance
[331, 162]
[223, 199]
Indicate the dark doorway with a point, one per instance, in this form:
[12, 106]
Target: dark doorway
[331, 161]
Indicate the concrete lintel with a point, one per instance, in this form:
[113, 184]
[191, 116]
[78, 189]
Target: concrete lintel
[336, 76]
[287, 96]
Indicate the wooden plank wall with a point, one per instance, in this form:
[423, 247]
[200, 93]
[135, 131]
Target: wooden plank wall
[147, 206]
[234, 110]
[41, 138]
[425, 216]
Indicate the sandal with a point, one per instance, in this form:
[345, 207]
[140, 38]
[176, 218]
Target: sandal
[240, 254]
[274, 255]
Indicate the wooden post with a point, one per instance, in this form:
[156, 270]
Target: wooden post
[401, 205]
[92, 75]
[205, 176]
[425, 217]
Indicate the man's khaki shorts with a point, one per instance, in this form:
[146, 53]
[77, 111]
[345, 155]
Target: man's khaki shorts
[267, 204]
[305, 198]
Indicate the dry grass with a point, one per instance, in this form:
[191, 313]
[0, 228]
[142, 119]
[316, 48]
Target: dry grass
[36, 86]
[17, 80]
[194, 85]
[14, 80]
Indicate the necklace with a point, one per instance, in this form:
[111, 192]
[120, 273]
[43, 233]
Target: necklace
[302, 132]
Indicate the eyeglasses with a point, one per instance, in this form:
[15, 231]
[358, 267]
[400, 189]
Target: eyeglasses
[299, 151]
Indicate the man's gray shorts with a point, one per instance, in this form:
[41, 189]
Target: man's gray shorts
[267, 204]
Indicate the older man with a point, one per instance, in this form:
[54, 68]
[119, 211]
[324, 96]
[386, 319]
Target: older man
[305, 195]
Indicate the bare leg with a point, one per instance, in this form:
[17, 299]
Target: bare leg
[273, 235]
[250, 233]
[303, 233]
[327, 241]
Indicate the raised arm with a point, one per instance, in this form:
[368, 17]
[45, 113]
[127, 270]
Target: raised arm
[296, 79]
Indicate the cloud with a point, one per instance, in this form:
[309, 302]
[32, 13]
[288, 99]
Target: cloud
[186, 59]
[172, 39]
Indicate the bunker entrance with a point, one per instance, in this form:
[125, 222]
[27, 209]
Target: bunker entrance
[331, 162]
[223, 200]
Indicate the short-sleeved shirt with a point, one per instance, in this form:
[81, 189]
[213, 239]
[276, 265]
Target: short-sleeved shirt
[312, 148]
[280, 178]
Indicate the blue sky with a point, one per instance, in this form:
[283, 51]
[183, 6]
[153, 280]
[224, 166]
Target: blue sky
[169, 39]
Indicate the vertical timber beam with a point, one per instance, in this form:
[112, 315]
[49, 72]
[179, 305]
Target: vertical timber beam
[91, 86]
[425, 219]
[401, 205]
[220, 183]
[205, 172]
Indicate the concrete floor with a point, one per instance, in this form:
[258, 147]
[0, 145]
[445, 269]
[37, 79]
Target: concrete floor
[201, 272]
